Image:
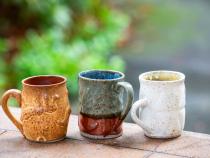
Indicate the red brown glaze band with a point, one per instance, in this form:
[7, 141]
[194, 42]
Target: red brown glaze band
[100, 127]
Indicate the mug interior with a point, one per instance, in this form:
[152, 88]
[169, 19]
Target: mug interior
[162, 76]
[44, 80]
[101, 75]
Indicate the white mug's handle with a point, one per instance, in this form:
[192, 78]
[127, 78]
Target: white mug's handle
[139, 105]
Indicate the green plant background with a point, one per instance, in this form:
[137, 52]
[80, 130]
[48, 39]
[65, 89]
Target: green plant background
[58, 37]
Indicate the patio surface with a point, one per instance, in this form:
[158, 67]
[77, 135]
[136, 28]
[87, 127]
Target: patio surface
[132, 143]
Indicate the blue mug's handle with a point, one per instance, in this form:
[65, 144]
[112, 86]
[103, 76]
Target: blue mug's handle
[129, 101]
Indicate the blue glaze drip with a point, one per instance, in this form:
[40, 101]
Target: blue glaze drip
[103, 75]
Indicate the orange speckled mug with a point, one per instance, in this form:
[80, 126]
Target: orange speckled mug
[45, 108]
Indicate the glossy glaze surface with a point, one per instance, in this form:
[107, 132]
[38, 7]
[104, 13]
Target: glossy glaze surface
[101, 101]
[103, 127]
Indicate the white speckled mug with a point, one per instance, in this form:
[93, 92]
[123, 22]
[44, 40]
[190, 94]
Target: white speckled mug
[161, 104]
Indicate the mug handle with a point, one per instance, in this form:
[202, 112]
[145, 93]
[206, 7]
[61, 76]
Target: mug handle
[17, 95]
[139, 105]
[129, 92]
[129, 101]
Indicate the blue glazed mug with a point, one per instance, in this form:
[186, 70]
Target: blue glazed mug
[102, 105]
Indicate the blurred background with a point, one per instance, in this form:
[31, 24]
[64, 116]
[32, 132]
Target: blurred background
[133, 36]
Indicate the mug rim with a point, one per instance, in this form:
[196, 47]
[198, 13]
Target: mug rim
[44, 85]
[180, 75]
[101, 80]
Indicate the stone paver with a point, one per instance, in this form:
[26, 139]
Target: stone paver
[132, 143]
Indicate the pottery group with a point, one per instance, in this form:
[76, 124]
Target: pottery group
[104, 100]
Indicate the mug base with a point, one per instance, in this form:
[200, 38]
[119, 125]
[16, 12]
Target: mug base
[100, 137]
[47, 142]
[162, 137]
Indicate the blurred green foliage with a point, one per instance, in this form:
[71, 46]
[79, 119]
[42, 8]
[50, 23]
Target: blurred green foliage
[61, 37]
[3, 48]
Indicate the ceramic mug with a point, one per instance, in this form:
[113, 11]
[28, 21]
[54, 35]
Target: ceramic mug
[45, 108]
[161, 104]
[102, 105]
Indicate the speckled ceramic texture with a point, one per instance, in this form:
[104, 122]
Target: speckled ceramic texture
[45, 108]
[161, 105]
[101, 99]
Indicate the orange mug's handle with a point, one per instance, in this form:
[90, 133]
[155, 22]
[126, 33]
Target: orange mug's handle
[17, 95]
